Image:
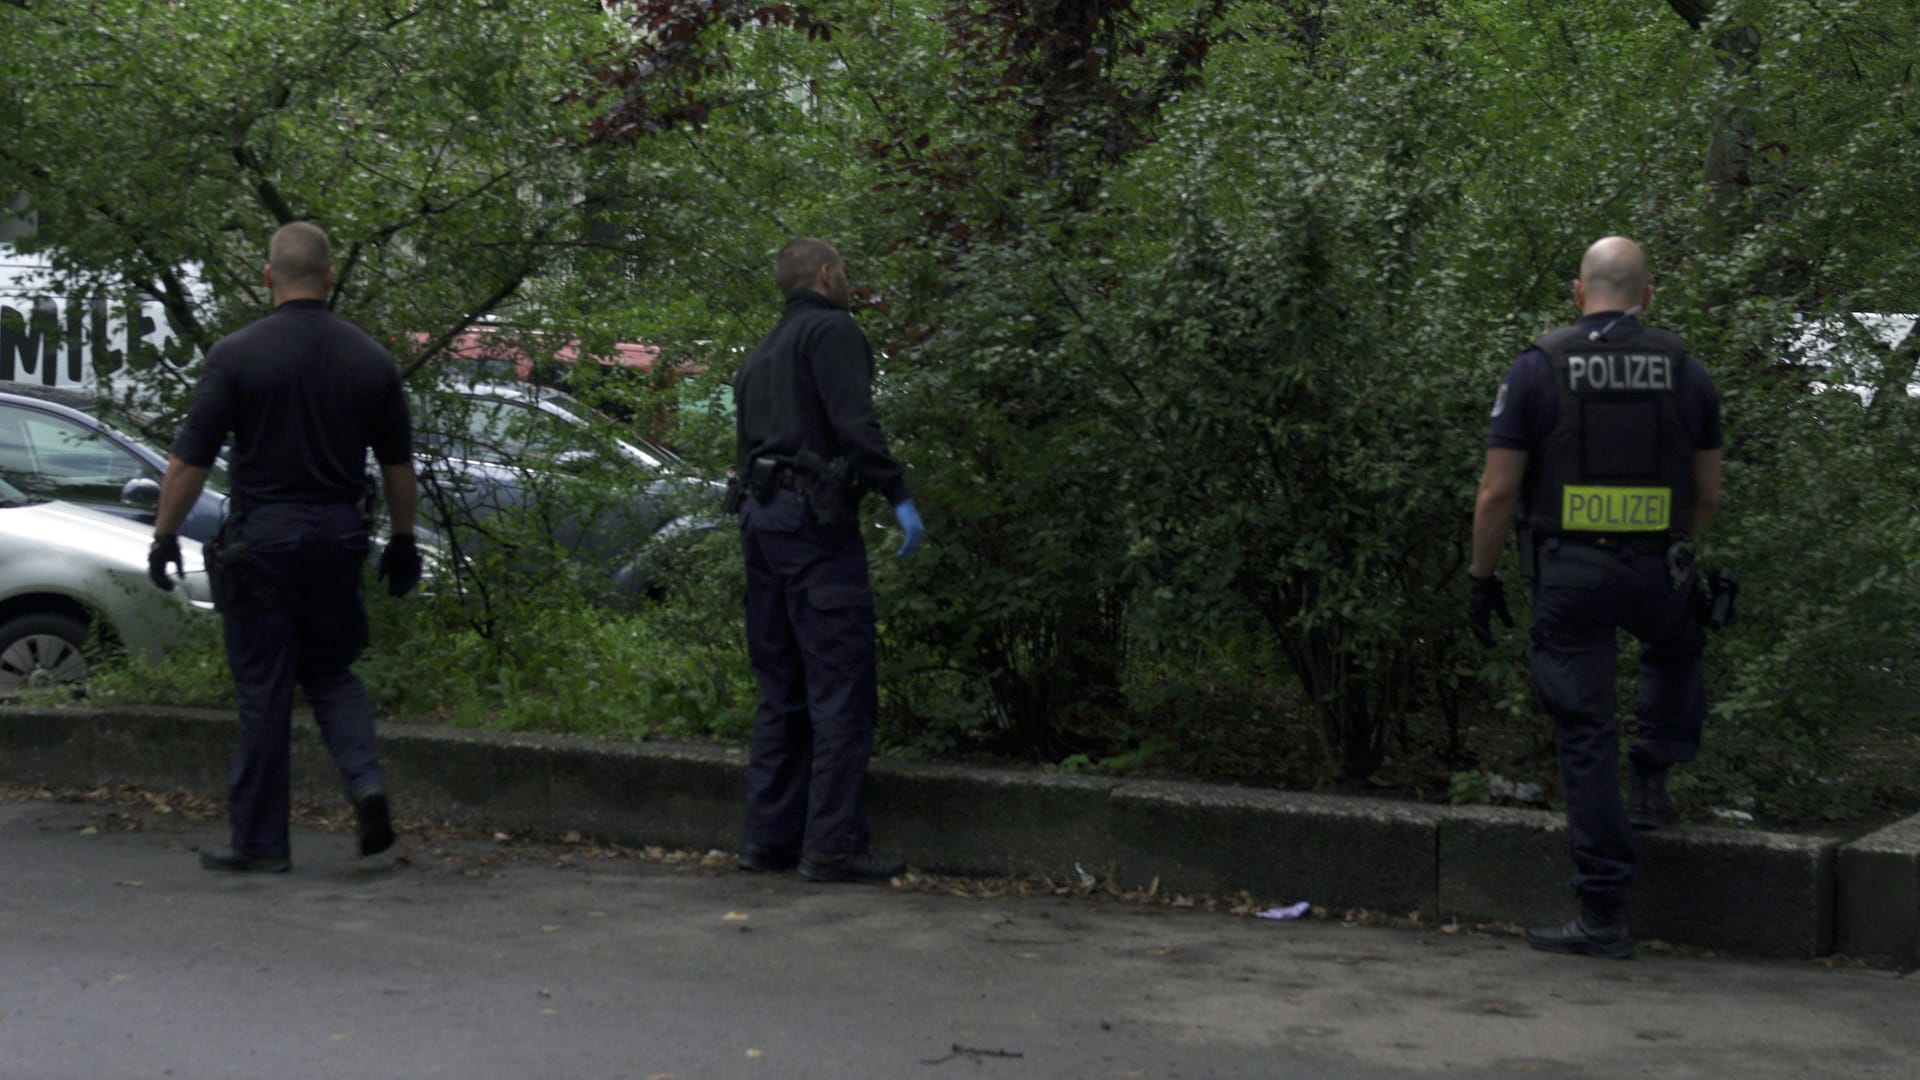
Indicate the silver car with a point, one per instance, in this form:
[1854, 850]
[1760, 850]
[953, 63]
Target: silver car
[63, 569]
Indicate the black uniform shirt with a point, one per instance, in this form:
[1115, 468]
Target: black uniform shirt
[1528, 405]
[305, 395]
[809, 386]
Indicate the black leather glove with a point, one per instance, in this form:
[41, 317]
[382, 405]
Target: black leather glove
[165, 549]
[400, 564]
[1485, 597]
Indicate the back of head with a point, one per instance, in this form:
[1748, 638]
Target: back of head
[300, 256]
[800, 262]
[1614, 272]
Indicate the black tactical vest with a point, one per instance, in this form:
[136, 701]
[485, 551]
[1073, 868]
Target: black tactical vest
[1619, 462]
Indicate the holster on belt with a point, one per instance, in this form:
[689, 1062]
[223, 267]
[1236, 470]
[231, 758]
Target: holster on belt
[234, 576]
[827, 486]
[765, 474]
[1714, 600]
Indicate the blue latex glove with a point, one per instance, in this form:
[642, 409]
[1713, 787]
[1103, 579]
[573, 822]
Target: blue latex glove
[910, 523]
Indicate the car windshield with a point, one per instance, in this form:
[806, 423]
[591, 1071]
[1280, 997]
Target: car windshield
[13, 496]
[506, 432]
[109, 423]
[511, 430]
[655, 455]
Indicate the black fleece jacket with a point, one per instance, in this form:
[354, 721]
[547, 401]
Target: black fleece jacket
[809, 386]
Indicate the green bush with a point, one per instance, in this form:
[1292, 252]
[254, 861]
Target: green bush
[1822, 523]
[193, 674]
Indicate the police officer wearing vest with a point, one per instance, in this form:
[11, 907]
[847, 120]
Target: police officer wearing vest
[304, 396]
[809, 445]
[1607, 436]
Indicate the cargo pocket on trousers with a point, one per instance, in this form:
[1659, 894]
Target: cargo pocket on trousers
[837, 627]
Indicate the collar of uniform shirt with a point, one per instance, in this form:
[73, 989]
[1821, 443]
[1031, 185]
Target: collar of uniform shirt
[1612, 325]
[809, 298]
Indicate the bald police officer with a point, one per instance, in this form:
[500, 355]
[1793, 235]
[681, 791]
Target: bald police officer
[304, 396]
[1607, 435]
[809, 444]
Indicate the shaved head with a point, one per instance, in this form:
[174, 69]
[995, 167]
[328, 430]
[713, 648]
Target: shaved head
[1614, 274]
[300, 257]
[800, 262]
[810, 265]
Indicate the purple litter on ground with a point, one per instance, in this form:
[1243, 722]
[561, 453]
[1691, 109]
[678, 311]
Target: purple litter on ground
[1291, 911]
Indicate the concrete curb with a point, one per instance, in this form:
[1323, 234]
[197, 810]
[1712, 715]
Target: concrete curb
[1879, 897]
[1741, 891]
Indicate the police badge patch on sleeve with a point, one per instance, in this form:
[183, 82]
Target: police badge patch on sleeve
[1500, 400]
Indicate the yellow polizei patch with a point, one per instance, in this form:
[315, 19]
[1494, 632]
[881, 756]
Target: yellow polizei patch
[1615, 509]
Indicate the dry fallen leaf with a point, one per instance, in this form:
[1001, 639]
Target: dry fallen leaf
[754, 1055]
[734, 916]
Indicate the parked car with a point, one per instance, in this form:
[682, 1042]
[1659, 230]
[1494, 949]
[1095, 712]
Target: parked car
[64, 569]
[52, 445]
[603, 495]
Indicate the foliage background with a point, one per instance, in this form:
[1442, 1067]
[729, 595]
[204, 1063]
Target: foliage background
[1189, 313]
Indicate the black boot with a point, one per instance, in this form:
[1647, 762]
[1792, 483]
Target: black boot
[225, 858]
[766, 859]
[375, 819]
[1598, 930]
[865, 866]
[1648, 804]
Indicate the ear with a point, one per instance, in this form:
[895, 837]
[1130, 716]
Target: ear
[1646, 298]
[267, 275]
[1579, 294]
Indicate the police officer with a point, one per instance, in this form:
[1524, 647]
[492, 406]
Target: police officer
[809, 444]
[304, 396]
[1607, 435]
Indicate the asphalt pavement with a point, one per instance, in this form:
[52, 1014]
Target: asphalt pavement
[471, 954]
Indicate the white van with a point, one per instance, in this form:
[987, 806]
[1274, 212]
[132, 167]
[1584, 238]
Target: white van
[49, 337]
[1838, 351]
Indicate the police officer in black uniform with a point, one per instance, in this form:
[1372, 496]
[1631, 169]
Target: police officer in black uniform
[304, 396]
[809, 445]
[1607, 434]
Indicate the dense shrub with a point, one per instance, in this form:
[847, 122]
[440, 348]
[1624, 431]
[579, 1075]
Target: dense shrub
[1192, 376]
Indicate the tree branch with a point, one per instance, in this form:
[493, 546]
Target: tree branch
[1694, 11]
[441, 343]
[264, 187]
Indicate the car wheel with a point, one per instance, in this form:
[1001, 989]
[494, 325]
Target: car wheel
[42, 650]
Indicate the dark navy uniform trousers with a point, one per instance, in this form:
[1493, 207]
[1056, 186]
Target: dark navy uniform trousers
[307, 632]
[1583, 595]
[810, 634]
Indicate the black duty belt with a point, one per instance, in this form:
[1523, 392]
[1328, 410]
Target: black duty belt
[1647, 543]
